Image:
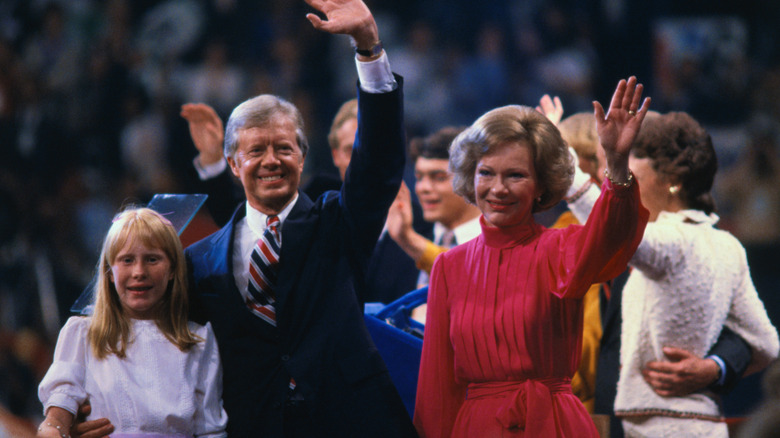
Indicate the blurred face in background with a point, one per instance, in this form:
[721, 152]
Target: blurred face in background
[653, 187]
[342, 153]
[434, 190]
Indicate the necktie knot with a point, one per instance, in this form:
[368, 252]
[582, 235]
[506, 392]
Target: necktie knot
[448, 239]
[272, 224]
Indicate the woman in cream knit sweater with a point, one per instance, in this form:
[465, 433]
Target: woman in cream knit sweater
[689, 279]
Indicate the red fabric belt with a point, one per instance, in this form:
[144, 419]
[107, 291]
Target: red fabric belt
[528, 403]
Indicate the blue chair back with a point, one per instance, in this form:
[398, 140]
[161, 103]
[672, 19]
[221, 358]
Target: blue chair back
[399, 340]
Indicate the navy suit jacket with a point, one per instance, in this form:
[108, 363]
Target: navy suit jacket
[321, 340]
[391, 272]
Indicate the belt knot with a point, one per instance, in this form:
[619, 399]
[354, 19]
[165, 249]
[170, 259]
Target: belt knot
[528, 403]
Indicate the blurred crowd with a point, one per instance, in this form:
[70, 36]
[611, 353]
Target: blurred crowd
[90, 92]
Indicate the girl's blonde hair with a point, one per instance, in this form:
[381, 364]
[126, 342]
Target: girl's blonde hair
[109, 331]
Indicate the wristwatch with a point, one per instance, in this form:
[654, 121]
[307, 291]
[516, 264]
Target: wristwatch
[375, 50]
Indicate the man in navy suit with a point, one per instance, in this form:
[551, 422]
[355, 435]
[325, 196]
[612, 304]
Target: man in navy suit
[390, 274]
[314, 370]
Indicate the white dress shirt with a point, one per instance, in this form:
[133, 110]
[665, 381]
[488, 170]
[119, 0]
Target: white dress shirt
[463, 233]
[248, 230]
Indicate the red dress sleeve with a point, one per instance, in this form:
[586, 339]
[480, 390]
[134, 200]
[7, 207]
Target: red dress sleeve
[439, 396]
[601, 249]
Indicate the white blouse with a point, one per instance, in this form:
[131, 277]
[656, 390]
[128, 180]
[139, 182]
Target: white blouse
[689, 280]
[156, 390]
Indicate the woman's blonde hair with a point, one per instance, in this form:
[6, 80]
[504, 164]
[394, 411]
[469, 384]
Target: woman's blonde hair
[579, 132]
[514, 123]
[109, 330]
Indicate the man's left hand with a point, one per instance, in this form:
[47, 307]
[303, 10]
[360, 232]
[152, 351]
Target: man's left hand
[683, 374]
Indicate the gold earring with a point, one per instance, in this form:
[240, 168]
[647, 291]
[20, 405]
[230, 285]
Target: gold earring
[674, 189]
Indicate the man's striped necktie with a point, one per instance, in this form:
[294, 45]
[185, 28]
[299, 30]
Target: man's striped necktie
[263, 267]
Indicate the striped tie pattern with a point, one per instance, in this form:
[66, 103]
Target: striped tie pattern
[448, 239]
[263, 267]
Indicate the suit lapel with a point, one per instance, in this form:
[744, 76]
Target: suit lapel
[297, 234]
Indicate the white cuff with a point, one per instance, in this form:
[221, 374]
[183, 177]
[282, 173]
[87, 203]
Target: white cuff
[375, 76]
[722, 366]
[210, 171]
[63, 401]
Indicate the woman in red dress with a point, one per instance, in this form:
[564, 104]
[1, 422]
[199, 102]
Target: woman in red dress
[504, 322]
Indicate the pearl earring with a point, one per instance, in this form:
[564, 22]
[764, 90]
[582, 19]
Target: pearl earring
[674, 189]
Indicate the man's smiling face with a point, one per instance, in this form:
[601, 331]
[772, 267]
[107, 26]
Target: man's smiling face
[269, 163]
[434, 189]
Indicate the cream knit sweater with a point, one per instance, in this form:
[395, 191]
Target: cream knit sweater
[689, 279]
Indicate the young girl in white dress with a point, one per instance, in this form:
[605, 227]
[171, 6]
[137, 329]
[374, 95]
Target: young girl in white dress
[137, 359]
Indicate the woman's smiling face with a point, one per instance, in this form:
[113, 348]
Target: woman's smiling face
[506, 186]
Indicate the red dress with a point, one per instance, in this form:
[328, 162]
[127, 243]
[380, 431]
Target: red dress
[504, 324]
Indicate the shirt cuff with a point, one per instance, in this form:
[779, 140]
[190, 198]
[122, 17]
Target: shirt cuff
[375, 76]
[63, 401]
[210, 171]
[722, 365]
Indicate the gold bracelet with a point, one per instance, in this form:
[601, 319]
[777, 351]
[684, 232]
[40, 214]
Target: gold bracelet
[620, 184]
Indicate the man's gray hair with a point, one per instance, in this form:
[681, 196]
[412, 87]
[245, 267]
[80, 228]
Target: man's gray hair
[259, 112]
